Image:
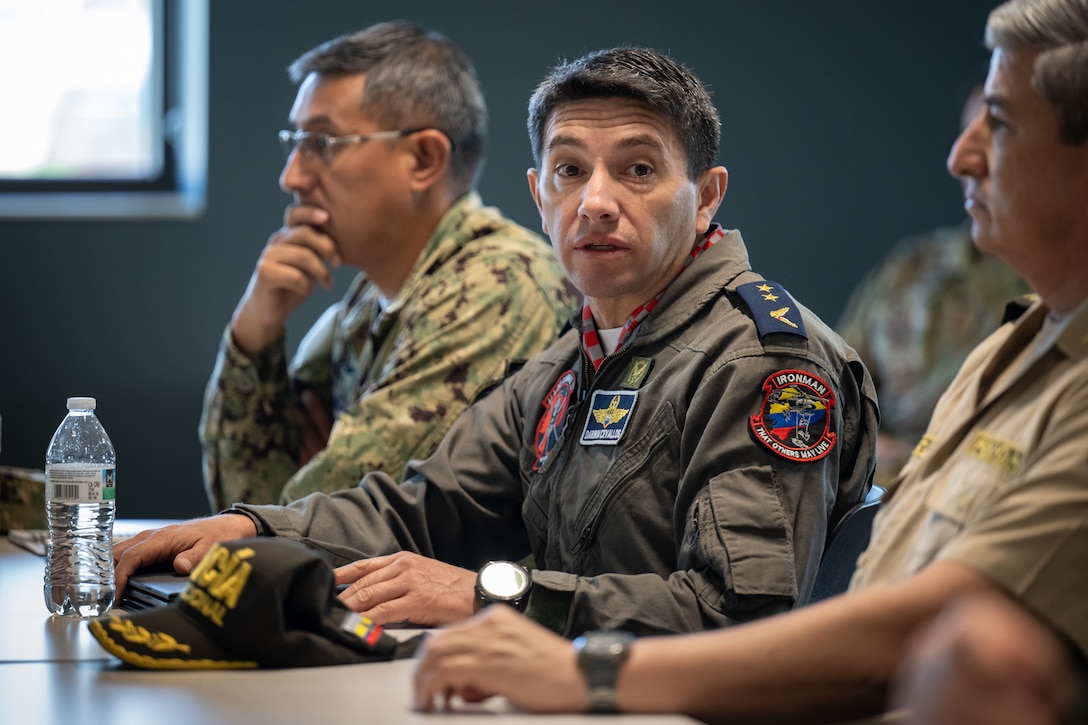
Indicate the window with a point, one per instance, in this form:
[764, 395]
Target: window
[106, 108]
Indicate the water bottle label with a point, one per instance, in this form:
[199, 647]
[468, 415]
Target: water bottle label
[80, 483]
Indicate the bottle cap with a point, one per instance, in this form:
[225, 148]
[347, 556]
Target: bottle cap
[81, 403]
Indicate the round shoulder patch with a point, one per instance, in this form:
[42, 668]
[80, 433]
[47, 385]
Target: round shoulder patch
[550, 425]
[794, 418]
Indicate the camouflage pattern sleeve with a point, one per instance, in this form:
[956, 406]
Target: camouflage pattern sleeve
[914, 319]
[456, 338]
[248, 442]
[484, 293]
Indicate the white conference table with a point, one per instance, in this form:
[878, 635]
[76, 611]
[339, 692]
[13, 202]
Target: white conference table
[53, 671]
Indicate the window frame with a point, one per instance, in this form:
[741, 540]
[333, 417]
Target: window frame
[180, 191]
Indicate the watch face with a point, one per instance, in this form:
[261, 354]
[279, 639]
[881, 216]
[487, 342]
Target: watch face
[503, 580]
[605, 645]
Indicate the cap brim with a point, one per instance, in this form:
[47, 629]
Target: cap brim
[163, 639]
[260, 602]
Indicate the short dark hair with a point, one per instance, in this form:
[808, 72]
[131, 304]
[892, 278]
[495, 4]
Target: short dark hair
[414, 78]
[1058, 30]
[640, 74]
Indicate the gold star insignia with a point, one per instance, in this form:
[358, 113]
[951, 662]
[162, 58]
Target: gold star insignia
[764, 288]
[770, 297]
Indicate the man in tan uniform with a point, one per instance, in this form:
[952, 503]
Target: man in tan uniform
[916, 316]
[993, 501]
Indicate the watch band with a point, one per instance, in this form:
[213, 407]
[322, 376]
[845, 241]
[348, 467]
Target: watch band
[600, 655]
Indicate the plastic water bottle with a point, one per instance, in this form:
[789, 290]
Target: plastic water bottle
[80, 477]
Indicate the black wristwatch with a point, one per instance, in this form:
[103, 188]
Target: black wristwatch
[503, 582]
[600, 655]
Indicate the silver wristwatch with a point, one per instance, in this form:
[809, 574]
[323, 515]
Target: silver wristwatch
[600, 655]
[503, 582]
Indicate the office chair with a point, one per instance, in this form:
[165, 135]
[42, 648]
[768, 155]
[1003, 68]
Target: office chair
[847, 540]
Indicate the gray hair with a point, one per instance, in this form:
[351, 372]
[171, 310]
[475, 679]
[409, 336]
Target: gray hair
[642, 75]
[1058, 30]
[414, 78]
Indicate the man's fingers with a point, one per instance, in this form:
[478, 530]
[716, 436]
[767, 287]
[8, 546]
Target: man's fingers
[350, 573]
[452, 662]
[371, 585]
[442, 678]
[407, 587]
[293, 267]
[298, 214]
[182, 544]
[144, 549]
[302, 224]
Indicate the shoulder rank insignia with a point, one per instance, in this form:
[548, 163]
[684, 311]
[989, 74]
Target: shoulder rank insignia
[609, 414]
[772, 308]
[794, 419]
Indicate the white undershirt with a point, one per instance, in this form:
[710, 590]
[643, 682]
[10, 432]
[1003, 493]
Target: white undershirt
[610, 339]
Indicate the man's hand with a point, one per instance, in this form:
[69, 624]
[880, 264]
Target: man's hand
[405, 587]
[313, 423]
[185, 543]
[986, 660]
[296, 257]
[500, 652]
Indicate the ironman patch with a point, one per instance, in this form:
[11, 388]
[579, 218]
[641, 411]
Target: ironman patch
[794, 417]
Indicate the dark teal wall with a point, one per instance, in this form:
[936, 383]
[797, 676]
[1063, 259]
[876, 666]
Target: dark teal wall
[837, 118]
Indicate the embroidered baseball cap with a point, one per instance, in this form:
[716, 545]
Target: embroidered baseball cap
[258, 602]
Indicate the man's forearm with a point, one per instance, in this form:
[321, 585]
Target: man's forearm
[244, 432]
[826, 663]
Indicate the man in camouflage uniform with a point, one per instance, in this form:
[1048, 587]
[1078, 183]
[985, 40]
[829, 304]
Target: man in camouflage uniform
[916, 316]
[914, 319]
[450, 295]
[22, 499]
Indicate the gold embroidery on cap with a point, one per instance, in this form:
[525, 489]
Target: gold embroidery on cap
[154, 641]
[218, 581]
[155, 662]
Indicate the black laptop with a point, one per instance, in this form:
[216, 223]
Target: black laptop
[147, 591]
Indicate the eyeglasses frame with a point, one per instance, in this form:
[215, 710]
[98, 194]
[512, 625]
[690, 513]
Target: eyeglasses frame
[292, 140]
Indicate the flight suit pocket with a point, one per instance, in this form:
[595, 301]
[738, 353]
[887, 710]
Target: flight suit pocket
[742, 532]
[624, 518]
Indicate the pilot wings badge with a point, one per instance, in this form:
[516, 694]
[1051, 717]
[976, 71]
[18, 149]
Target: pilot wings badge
[609, 414]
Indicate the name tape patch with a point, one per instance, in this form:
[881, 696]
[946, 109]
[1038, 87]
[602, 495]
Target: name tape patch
[609, 413]
[1001, 453]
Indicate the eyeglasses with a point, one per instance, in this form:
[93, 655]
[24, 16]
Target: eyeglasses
[323, 146]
